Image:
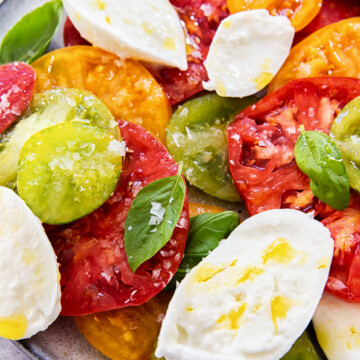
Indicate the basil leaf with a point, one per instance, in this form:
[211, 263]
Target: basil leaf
[319, 158]
[205, 233]
[29, 38]
[143, 240]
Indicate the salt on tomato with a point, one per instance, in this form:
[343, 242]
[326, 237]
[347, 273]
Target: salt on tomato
[95, 274]
[344, 226]
[300, 13]
[333, 50]
[17, 82]
[331, 11]
[129, 333]
[261, 141]
[129, 91]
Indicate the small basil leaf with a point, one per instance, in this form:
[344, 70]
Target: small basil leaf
[205, 233]
[29, 38]
[160, 202]
[319, 158]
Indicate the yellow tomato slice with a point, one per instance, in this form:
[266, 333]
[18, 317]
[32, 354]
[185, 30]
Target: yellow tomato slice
[128, 333]
[125, 86]
[299, 12]
[197, 209]
[334, 50]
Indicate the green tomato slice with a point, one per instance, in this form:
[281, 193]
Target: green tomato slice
[196, 135]
[47, 109]
[68, 170]
[346, 132]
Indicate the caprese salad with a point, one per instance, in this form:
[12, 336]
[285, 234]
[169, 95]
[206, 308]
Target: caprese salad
[100, 139]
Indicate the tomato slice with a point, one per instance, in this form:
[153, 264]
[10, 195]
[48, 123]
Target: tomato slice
[71, 36]
[331, 11]
[300, 13]
[331, 51]
[261, 142]
[17, 82]
[129, 333]
[129, 91]
[95, 274]
[344, 226]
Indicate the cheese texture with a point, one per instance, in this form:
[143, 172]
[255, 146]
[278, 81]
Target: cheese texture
[337, 327]
[29, 276]
[148, 30]
[247, 51]
[254, 295]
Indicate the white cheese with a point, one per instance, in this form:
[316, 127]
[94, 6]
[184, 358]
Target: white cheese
[29, 275]
[148, 30]
[337, 327]
[247, 51]
[254, 295]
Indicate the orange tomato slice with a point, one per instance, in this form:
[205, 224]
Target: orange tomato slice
[299, 12]
[333, 50]
[197, 209]
[128, 333]
[124, 85]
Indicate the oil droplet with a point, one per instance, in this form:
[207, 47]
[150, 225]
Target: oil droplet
[208, 271]
[323, 263]
[13, 327]
[280, 306]
[147, 28]
[77, 17]
[250, 274]
[232, 319]
[227, 23]
[220, 88]
[263, 79]
[107, 19]
[101, 5]
[169, 44]
[281, 252]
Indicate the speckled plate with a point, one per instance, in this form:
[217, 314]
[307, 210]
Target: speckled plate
[62, 340]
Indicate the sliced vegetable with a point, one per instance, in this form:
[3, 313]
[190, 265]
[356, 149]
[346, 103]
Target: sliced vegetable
[17, 82]
[47, 109]
[300, 13]
[199, 208]
[262, 139]
[129, 333]
[129, 91]
[318, 157]
[303, 349]
[68, 170]
[152, 217]
[205, 233]
[331, 51]
[345, 130]
[29, 38]
[95, 274]
[196, 136]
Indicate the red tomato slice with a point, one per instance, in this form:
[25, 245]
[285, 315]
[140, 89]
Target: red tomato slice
[201, 19]
[344, 226]
[331, 11]
[95, 274]
[262, 138]
[17, 82]
[71, 36]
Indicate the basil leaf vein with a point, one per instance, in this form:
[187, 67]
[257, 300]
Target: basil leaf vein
[143, 240]
[29, 37]
[318, 157]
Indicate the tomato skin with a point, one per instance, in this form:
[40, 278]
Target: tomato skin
[17, 82]
[331, 11]
[95, 275]
[330, 51]
[261, 142]
[300, 13]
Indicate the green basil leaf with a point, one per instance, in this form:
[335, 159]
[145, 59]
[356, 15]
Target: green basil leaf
[29, 38]
[143, 240]
[205, 233]
[319, 158]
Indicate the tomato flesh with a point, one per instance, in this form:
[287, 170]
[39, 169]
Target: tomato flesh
[95, 274]
[261, 141]
[300, 13]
